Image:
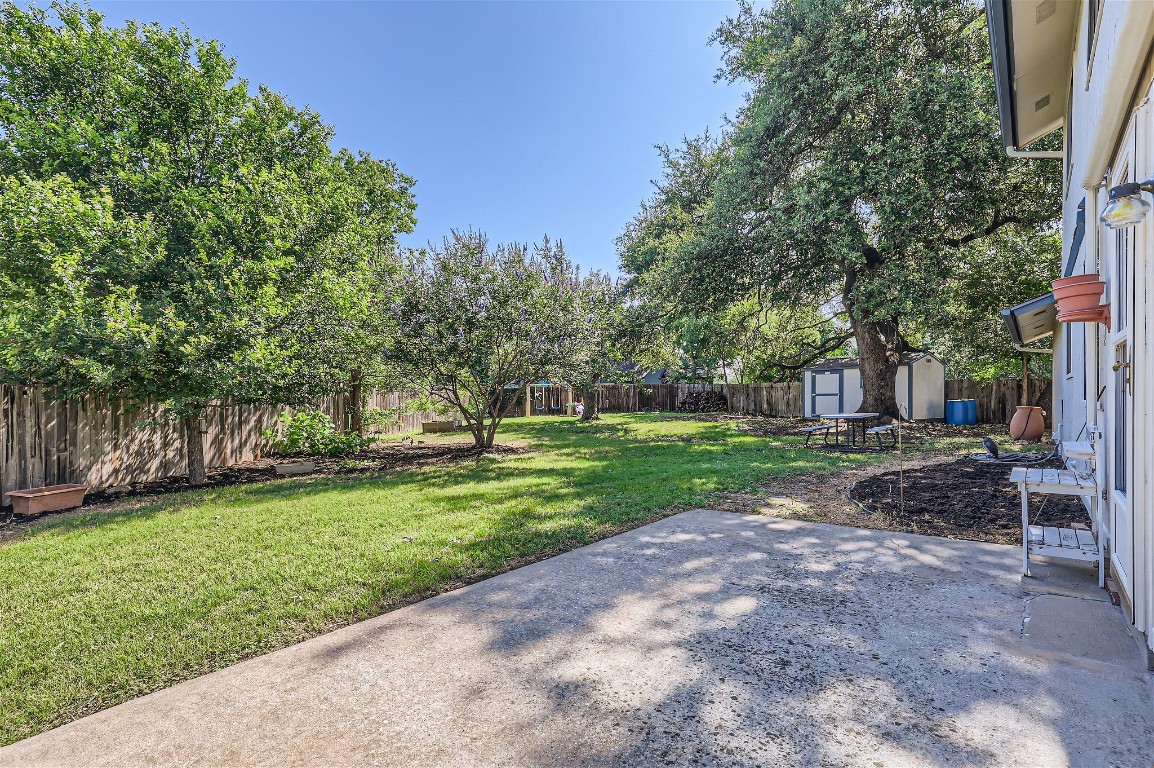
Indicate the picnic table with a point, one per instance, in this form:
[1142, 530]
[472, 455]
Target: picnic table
[857, 422]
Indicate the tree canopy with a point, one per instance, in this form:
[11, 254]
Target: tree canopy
[865, 160]
[478, 323]
[174, 234]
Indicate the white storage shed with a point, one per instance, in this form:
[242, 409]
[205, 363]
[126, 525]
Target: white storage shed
[835, 386]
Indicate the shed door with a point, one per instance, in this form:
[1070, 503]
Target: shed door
[826, 394]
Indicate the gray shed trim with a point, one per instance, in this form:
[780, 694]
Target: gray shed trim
[839, 363]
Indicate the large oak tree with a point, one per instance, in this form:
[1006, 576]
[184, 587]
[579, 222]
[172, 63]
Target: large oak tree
[866, 157]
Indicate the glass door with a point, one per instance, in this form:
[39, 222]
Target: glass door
[1120, 400]
[1121, 467]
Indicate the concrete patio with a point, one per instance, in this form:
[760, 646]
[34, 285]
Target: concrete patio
[707, 638]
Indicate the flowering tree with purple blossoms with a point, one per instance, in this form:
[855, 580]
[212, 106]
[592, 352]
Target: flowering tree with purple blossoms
[478, 324]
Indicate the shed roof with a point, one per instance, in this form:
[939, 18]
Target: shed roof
[841, 363]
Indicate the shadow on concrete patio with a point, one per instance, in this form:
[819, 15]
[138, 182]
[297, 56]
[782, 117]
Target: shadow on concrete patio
[707, 638]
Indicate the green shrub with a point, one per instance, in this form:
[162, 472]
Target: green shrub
[426, 403]
[311, 433]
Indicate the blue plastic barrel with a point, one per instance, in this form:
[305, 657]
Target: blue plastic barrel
[955, 412]
[971, 411]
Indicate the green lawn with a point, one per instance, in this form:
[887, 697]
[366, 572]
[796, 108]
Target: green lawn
[101, 607]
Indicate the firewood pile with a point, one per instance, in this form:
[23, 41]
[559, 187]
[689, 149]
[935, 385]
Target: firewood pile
[703, 402]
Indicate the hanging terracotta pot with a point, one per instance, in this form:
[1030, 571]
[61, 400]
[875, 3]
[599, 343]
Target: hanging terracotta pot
[1063, 282]
[1028, 423]
[1078, 293]
[1099, 314]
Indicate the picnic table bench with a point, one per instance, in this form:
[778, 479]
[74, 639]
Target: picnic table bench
[884, 429]
[822, 429]
[1073, 543]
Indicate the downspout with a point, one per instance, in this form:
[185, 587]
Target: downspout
[1091, 264]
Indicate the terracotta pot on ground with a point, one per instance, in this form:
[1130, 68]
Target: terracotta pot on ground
[1028, 423]
[53, 498]
[1085, 294]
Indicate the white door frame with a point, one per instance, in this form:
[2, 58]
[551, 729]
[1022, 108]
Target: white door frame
[1118, 356]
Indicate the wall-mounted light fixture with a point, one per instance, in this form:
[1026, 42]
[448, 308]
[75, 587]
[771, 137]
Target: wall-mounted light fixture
[1127, 207]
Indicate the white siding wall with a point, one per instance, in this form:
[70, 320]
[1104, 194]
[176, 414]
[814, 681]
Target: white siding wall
[1112, 130]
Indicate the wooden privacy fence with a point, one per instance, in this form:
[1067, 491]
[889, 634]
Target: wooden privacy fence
[996, 400]
[751, 399]
[103, 443]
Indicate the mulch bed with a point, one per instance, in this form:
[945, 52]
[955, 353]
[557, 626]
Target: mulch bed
[963, 498]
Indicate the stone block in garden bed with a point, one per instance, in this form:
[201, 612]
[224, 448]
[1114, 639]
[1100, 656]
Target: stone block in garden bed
[295, 468]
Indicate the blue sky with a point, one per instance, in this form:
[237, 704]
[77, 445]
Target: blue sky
[516, 118]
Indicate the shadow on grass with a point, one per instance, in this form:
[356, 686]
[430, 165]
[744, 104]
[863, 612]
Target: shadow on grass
[340, 548]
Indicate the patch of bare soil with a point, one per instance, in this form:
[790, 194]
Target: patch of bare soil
[759, 426]
[943, 496]
[963, 499]
[913, 432]
[773, 427]
[382, 457]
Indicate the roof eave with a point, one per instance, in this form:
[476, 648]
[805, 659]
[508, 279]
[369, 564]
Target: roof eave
[998, 24]
[1039, 311]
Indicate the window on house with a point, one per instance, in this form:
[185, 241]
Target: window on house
[1068, 351]
[1121, 415]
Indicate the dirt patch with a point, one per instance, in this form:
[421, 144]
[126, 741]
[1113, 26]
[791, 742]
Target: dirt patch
[759, 426]
[944, 496]
[769, 427]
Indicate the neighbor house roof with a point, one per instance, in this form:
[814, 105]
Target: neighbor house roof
[1032, 319]
[1031, 44]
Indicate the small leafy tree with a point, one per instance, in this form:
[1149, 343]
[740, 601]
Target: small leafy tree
[478, 324]
[598, 322]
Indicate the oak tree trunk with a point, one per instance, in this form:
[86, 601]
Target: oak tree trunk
[194, 441]
[879, 348]
[591, 401]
